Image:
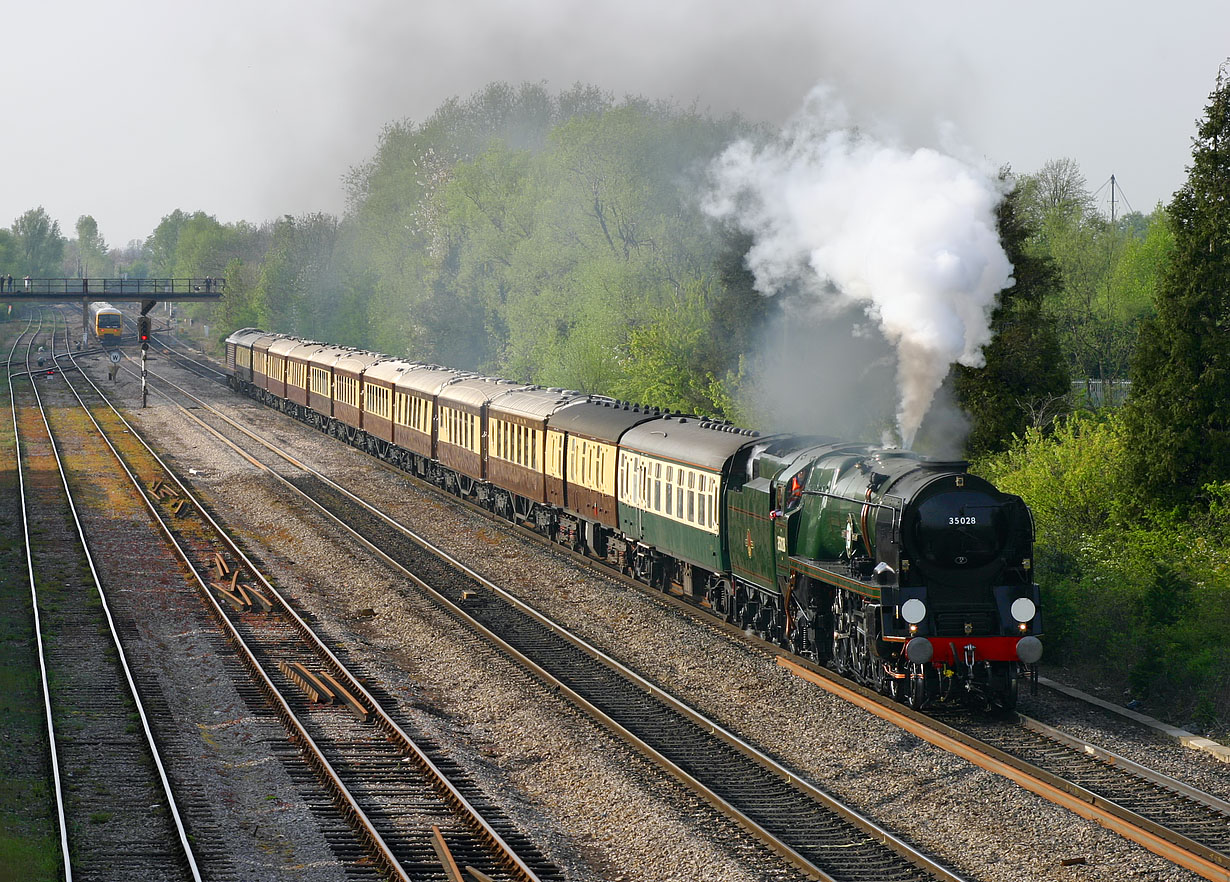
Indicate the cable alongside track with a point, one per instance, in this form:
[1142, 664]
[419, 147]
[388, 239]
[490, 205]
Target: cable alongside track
[117, 814]
[416, 820]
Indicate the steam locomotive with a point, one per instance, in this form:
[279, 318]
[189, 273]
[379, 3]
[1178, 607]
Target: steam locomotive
[907, 574]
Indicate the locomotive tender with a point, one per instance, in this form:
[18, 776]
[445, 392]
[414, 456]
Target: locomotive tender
[907, 574]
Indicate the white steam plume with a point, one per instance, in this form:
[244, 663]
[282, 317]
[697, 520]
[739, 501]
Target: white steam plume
[908, 235]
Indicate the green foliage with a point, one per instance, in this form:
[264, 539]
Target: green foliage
[91, 248]
[297, 282]
[1071, 476]
[8, 251]
[1130, 596]
[671, 359]
[552, 239]
[1105, 273]
[1180, 408]
[39, 245]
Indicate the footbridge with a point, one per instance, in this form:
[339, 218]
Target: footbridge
[147, 292]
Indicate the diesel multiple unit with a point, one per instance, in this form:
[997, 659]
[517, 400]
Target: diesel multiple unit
[106, 323]
[908, 574]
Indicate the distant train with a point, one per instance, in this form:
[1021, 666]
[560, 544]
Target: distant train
[909, 575]
[107, 323]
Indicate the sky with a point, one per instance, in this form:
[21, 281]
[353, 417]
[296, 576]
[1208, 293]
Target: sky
[252, 109]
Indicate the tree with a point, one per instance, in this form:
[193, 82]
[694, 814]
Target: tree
[91, 246]
[162, 243]
[1179, 411]
[297, 279]
[1057, 189]
[1024, 381]
[8, 251]
[40, 246]
[1098, 302]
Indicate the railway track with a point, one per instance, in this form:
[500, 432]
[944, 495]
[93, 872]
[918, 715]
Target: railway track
[1175, 821]
[1171, 819]
[801, 823]
[118, 816]
[416, 815]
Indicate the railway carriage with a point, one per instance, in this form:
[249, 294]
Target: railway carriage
[518, 455]
[348, 371]
[582, 451]
[298, 373]
[260, 360]
[672, 472]
[415, 411]
[461, 424]
[239, 355]
[320, 364]
[380, 400]
[276, 364]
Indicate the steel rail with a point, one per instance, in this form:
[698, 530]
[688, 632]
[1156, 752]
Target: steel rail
[1152, 835]
[1115, 759]
[122, 656]
[517, 865]
[862, 822]
[285, 712]
[1156, 838]
[57, 783]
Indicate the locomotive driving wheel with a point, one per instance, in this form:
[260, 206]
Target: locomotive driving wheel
[844, 661]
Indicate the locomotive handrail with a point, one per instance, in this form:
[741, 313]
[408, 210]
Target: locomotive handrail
[896, 510]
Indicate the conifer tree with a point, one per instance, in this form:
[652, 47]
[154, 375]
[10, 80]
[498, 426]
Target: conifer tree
[1179, 412]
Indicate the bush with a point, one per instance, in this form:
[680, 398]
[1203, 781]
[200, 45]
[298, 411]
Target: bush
[1131, 599]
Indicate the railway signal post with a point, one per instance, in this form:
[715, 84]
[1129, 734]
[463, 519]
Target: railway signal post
[143, 322]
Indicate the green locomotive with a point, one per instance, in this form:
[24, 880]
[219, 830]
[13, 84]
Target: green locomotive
[908, 574]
